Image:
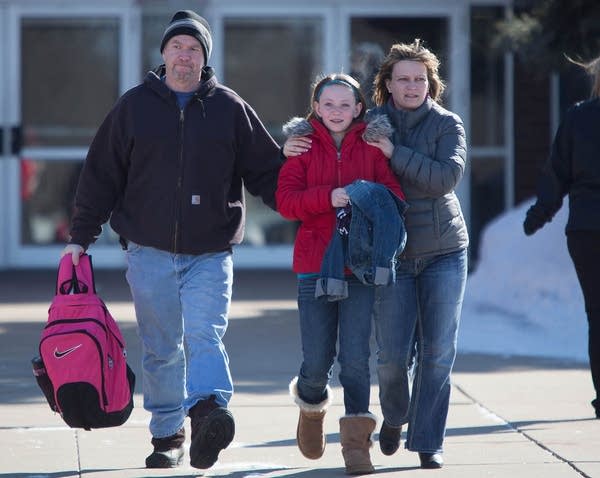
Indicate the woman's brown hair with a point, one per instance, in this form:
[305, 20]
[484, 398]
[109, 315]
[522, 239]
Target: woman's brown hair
[414, 51]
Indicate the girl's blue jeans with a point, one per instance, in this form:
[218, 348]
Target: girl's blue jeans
[321, 323]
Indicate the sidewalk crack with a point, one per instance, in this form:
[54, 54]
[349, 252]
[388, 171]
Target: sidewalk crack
[522, 432]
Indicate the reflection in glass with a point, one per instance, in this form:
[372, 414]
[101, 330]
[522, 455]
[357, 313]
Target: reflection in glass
[69, 74]
[365, 59]
[47, 194]
[47, 191]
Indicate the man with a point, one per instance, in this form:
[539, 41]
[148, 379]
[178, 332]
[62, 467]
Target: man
[167, 166]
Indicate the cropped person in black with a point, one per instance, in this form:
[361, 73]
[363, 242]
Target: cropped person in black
[573, 168]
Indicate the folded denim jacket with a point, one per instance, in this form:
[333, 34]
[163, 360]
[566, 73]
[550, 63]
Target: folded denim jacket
[371, 245]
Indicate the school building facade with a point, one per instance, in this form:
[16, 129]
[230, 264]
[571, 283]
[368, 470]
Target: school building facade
[65, 62]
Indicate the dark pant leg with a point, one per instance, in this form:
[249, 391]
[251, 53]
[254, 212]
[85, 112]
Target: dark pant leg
[318, 331]
[584, 248]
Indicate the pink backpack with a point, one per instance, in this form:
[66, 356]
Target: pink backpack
[82, 367]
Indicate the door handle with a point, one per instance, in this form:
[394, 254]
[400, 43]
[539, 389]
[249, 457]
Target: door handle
[16, 140]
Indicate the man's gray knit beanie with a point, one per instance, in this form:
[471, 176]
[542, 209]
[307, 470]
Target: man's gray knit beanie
[187, 22]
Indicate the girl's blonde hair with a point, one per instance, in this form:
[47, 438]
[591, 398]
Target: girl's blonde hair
[414, 51]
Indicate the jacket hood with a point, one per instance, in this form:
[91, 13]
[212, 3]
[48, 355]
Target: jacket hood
[297, 126]
[378, 125]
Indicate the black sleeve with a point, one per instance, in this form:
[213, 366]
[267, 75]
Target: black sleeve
[102, 179]
[259, 159]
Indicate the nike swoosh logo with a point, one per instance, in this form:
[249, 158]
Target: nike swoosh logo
[58, 354]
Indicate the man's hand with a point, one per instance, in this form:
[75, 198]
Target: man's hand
[296, 145]
[75, 250]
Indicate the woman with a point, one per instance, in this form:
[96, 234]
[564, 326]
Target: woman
[573, 168]
[312, 188]
[417, 318]
[423, 306]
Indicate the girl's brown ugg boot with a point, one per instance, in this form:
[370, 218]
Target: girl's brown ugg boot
[309, 433]
[355, 437]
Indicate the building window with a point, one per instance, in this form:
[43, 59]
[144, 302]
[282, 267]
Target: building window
[487, 80]
[272, 63]
[64, 97]
[487, 138]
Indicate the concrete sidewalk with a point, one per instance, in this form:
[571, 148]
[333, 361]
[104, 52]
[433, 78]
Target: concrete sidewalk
[509, 417]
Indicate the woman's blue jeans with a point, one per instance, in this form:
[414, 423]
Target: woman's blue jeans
[181, 304]
[321, 322]
[416, 320]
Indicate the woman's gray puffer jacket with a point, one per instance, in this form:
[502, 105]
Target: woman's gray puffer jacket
[429, 159]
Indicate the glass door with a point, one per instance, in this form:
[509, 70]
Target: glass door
[68, 68]
[5, 153]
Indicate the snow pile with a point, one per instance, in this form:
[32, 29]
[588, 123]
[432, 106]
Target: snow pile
[524, 297]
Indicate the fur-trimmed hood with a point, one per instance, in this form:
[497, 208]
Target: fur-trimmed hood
[296, 127]
[378, 126]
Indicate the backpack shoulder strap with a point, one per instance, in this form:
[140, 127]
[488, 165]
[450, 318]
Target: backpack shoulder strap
[77, 279]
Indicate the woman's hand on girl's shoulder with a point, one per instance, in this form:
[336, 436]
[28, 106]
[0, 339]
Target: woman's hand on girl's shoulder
[296, 145]
[384, 144]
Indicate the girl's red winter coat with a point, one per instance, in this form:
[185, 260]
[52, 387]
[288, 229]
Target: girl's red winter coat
[306, 182]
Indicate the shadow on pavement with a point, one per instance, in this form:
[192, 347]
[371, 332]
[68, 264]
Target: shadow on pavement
[33, 285]
[264, 354]
[292, 473]
[264, 348]
[478, 362]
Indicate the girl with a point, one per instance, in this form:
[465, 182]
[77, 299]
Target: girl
[311, 186]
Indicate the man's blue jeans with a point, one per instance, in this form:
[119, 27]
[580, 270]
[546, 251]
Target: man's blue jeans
[320, 323]
[417, 318]
[181, 304]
